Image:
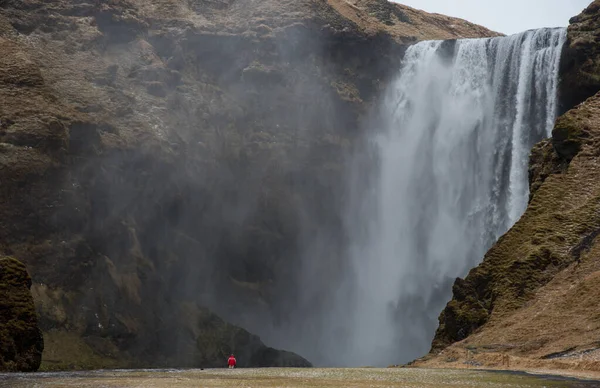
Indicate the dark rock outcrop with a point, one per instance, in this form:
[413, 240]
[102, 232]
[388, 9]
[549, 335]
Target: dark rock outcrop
[580, 62]
[213, 340]
[21, 342]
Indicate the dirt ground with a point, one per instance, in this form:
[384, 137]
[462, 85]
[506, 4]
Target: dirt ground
[279, 377]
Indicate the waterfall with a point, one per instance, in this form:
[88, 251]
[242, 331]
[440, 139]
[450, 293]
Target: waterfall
[445, 177]
[460, 121]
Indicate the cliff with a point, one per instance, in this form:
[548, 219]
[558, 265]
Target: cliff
[159, 157]
[534, 296]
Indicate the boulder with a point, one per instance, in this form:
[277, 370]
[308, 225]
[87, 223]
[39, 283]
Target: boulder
[21, 342]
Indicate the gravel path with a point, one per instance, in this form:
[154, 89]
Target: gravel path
[279, 377]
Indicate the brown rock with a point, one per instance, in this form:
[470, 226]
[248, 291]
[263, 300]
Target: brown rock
[580, 62]
[21, 342]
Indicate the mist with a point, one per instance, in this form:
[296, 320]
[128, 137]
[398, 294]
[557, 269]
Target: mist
[340, 245]
[231, 192]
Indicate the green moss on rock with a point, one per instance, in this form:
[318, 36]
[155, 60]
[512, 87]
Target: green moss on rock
[567, 136]
[21, 342]
[543, 162]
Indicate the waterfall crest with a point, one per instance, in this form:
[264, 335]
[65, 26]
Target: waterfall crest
[460, 122]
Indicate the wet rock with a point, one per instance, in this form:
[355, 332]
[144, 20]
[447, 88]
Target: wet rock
[119, 21]
[261, 75]
[156, 89]
[154, 73]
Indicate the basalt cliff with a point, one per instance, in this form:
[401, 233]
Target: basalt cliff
[533, 301]
[159, 160]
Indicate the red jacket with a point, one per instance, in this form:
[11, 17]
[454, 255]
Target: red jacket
[231, 361]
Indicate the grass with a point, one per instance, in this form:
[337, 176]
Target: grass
[281, 377]
[68, 351]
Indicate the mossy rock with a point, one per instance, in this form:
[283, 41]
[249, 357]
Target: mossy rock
[385, 12]
[543, 162]
[69, 351]
[580, 62]
[462, 316]
[21, 342]
[567, 137]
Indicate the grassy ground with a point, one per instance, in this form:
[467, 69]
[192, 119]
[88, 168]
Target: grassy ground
[279, 377]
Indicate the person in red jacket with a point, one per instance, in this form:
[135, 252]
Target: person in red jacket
[231, 362]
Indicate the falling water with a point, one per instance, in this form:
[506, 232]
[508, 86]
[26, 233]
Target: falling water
[460, 122]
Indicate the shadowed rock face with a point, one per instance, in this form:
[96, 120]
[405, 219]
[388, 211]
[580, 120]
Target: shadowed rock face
[21, 342]
[157, 156]
[542, 253]
[216, 340]
[580, 65]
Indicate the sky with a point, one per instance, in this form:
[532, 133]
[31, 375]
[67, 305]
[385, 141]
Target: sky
[506, 16]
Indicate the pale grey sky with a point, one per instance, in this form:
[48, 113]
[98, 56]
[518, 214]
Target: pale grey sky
[506, 16]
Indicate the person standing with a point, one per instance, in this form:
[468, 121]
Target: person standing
[231, 362]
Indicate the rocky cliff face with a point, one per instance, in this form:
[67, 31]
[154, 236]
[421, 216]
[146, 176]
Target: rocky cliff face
[21, 342]
[532, 295]
[158, 156]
